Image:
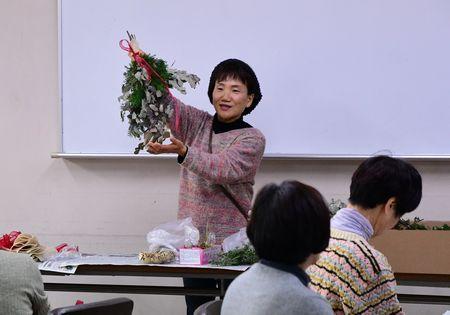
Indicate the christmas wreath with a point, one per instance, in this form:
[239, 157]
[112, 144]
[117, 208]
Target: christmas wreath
[146, 100]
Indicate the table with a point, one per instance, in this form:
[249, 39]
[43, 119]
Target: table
[425, 280]
[142, 271]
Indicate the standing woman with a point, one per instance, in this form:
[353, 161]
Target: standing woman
[219, 156]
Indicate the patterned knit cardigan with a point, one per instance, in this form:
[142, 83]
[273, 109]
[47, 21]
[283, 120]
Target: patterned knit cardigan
[354, 277]
[229, 159]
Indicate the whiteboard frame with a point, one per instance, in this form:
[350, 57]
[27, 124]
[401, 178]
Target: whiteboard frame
[268, 156]
[60, 90]
[109, 156]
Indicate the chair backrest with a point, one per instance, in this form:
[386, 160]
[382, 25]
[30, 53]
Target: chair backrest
[209, 308]
[117, 306]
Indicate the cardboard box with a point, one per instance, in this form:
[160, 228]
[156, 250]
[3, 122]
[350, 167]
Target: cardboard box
[198, 256]
[416, 251]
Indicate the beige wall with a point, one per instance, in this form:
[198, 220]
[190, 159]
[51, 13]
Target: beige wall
[109, 205]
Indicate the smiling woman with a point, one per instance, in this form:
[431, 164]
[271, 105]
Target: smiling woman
[219, 156]
[230, 99]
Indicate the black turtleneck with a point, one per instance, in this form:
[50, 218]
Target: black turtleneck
[220, 127]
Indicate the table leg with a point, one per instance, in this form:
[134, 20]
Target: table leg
[222, 289]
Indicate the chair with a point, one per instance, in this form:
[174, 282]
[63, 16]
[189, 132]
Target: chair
[117, 306]
[209, 308]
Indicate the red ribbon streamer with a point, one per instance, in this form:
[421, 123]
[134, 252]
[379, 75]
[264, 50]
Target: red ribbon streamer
[144, 64]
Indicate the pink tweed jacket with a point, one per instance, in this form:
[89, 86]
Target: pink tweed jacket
[229, 159]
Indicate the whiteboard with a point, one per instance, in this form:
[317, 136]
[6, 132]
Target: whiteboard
[345, 77]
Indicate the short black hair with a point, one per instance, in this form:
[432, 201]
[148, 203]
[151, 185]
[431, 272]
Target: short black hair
[289, 222]
[382, 177]
[238, 70]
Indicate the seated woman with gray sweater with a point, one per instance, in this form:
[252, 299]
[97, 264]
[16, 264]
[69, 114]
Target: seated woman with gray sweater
[289, 227]
[21, 287]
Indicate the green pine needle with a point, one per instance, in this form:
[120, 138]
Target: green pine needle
[241, 256]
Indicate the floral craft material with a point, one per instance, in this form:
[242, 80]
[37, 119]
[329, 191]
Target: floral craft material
[146, 100]
[245, 255]
[19, 242]
[161, 256]
[416, 224]
[27, 243]
[7, 240]
[335, 205]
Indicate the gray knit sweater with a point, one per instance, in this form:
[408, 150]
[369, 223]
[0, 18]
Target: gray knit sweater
[21, 287]
[266, 290]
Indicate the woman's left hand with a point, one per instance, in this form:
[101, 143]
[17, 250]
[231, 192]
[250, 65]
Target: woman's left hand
[176, 146]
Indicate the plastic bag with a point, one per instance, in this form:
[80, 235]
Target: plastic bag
[173, 235]
[236, 240]
[63, 251]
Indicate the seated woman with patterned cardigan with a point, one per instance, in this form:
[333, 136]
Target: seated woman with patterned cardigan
[351, 274]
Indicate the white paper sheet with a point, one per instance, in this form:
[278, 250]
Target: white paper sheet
[69, 266]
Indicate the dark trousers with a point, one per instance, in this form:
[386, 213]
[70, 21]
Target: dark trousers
[194, 301]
